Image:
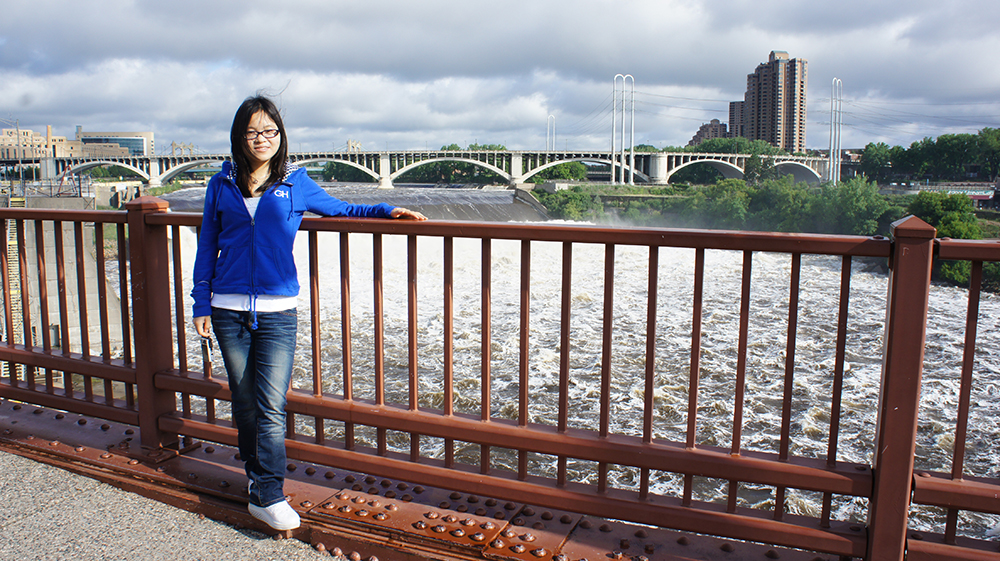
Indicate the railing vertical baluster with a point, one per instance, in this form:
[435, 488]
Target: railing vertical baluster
[838, 380]
[486, 385]
[345, 322]
[378, 286]
[81, 284]
[449, 343]
[523, 362]
[180, 322]
[741, 372]
[315, 331]
[102, 298]
[965, 391]
[647, 409]
[22, 256]
[695, 371]
[411, 278]
[564, 350]
[123, 284]
[8, 323]
[43, 299]
[786, 401]
[152, 319]
[899, 392]
[606, 344]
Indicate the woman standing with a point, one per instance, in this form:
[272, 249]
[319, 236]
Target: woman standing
[245, 288]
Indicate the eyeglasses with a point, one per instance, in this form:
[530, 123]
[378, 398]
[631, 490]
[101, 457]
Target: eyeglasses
[269, 133]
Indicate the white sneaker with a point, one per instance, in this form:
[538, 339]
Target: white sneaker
[280, 515]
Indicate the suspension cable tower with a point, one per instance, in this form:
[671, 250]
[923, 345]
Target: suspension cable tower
[836, 122]
[614, 112]
[550, 133]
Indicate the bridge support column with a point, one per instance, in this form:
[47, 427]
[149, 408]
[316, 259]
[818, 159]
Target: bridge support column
[47, 168]
[384, 172]
[659, 167]
[516, 169]
[154, 173]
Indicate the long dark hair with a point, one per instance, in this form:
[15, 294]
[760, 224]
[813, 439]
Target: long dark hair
[241, 148]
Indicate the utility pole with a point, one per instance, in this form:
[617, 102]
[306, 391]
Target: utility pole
[614, 110]
[18, 149]
[836, 121]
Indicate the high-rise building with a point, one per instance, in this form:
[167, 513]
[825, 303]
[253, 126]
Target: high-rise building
[774, 106]
[714, 129]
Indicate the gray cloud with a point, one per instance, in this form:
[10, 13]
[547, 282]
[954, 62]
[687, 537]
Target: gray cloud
[409, 75]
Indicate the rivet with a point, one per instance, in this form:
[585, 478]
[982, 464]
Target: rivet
[82, 422]
[546, 515]
[105, 427]
[373, 558]
[105, 456]
[292, 467]
[444, 504]
[192, 476]
[683, 540]
[728, 547]
[391, 507]
[374, 503]
[432, 515]
[605, 528]
[406, 498]
[586, 524]
[362, 512]
[358, 500]
[18, 408]
[418, 489]
[320, 547]
[160, 469]
[136, 462]
[538, 526]
[917, 536]
[401, 486]
[462, 508]
[499, 515]
[508, 533]
[420, 525]
[129, 431]
[369, 480]
[450, 519]
[497, 544]
[517, 521]
[468, 522]
[772, 554]
[455, 496]
[641, 534]
[560, 557]
[345, 508]
[565, 519]
[356, 487]
[617, 555]
[527, 538]
[540, 552]
[355, 556]
[642, 558]
[477, 537]
[381, 516]
[519, 548]
[458, 532]
[210, 450]
[328, 506]
[54, 443]
[491, 502]
[385, 483]
[349, 479]
[487, 525]
[473, 499]
[237, 457]
[30, 437]
[337, 552]
[528, 511]
[60, 416]
[855, 528]
[224, 484]
[310, 470]
[439, 529]
[79, 448]
[307, 504]
[329, 475]
[7, 431]
[343, 496]
[390, 494]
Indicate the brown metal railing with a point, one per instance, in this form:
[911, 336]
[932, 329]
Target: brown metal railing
[421, 431]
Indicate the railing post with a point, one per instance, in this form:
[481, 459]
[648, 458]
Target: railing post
[151, 317]
[899, 392]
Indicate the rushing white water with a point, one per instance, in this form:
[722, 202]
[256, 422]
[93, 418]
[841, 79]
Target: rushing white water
[814, 355]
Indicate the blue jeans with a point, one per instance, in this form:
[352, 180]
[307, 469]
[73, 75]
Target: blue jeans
[259, 365]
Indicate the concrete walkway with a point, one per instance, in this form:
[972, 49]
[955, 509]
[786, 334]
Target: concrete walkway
[47, 513]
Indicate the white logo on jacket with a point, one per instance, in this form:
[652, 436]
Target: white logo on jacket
[283, 194]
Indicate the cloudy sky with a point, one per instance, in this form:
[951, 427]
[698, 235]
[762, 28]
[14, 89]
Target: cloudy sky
[405, 74]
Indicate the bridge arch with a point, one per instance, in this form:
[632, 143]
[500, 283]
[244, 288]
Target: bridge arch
[799, 171]
[173, 172]
[98, 163]
[368, 171]
[727, 169]
[417, 164]
[583, 160]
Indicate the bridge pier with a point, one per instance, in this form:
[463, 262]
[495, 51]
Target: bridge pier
[384, 171]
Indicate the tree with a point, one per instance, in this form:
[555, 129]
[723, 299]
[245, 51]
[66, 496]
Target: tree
[757, 169]
[570, 171]
[876, 162]
[337, 171]
[989, 142]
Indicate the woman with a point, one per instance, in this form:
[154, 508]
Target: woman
[245, 288]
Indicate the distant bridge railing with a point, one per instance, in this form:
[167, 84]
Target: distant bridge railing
[420, 414]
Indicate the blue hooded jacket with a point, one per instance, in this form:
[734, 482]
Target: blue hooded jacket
[238, 254]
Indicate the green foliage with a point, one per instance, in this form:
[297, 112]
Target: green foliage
[876, 161]
[949, 157]
[954, 217]
[343, 172]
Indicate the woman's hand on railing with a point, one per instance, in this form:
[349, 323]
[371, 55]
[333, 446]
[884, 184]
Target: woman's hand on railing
[400, 212]
[203, 325]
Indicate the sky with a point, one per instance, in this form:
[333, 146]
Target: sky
[413, 75]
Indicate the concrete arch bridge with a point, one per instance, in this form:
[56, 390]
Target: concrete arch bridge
[515, 166]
